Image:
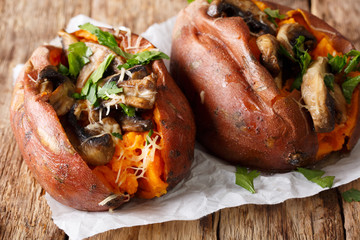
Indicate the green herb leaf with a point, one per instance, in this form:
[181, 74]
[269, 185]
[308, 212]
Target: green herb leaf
[78, 56]
[282, 50]
[351, 195]
[106, 39]
[190, 1]
[316, 177]
[352, 64]
[337, 63]
[274, 14]
[108, 89]
[92, 94]
[245, 179]
[78, 96]
[98, 73]
[90, 89]
[329, 80]
[63, 69]
[348, 87]
[117, 135]
[303, 58]
[129, 111]
[149, 136]
[143, 58]
[353, 53]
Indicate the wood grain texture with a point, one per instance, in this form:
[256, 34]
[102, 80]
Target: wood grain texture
[24, 213]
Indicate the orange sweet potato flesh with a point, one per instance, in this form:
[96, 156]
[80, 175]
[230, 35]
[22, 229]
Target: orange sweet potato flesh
[240, 114]
[57, 166]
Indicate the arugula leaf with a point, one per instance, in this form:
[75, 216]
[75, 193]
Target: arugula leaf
[117, 135]
[63, 69]
[143, 58]
[337, 63]
[353, 53]
[90, 89]
[351, 195]
[92, 94]
[108, 89]
[98, 73]
[303, 58]
[273, 14]
[329, 80]
[348, 87]
[245, 179]
[149, 135]
[316, 177]
[106, 39]
[352, 64]
[129, 111]
[78, 56]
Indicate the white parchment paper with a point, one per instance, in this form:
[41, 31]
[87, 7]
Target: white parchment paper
[209, 188]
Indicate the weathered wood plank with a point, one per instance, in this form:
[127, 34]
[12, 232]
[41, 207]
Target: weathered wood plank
[351, 213]
[342, 15]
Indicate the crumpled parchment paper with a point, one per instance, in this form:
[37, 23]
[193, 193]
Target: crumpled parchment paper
[209, 188]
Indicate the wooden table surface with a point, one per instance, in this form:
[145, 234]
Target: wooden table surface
[24, 213]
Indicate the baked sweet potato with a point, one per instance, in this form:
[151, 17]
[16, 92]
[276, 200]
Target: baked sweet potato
[130, 135]
[260, 83]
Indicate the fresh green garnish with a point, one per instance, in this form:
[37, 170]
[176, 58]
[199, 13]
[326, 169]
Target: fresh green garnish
[63, 69]
[348, 87]
[354, 62]
[143, 58]
[149, 136]
[351, 195]
[90, 89]
[106, 39]
[129, 111]
[108, 89]
[245, 179]
[282, 50]
[117, 135]
[274, 14]
[303, 58]
[337, 63]
[329, 80]
[78, 56]
[316, 177]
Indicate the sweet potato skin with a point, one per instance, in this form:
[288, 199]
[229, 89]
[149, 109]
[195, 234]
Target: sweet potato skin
[239, 112]
[52, 159]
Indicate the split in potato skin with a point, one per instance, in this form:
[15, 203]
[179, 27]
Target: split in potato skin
[109, 152]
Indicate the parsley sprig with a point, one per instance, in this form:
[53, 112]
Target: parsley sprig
[316, 176]
[143, 58]
[274, 14]
[301, 56]
[106, 39]
[351, 195]
[245, 179]
[78, 56]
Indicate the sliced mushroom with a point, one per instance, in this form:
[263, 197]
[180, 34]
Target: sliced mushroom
[135, 124]
[137, 72]
[269, 46]
[255, 18]
[340, 104]
[316, 96]
[96, 145]
[138, 93]
[61, 99]
[289, 33]
[50, 73]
